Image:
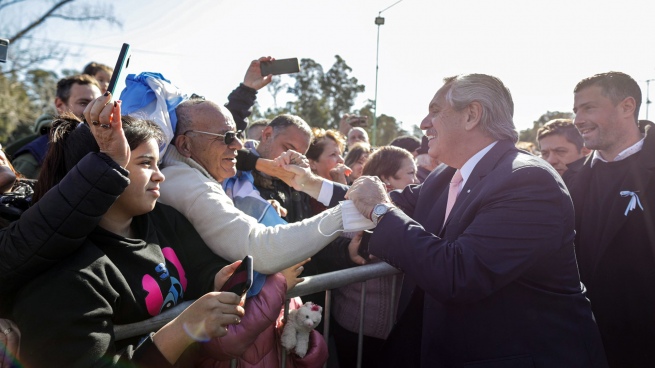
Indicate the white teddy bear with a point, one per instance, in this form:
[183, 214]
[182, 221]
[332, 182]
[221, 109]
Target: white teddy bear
[299, 325]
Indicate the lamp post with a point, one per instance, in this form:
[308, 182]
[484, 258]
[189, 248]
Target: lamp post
[648, 101]
[379, 20]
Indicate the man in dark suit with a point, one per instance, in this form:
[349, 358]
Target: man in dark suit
[495, 282]
[612, 192]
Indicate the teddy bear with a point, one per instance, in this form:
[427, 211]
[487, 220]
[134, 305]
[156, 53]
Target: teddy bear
[301, 321]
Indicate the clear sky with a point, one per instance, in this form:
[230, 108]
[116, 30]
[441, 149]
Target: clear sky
[540, 49]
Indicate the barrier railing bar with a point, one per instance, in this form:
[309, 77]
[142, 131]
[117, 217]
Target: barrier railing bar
[311, 285]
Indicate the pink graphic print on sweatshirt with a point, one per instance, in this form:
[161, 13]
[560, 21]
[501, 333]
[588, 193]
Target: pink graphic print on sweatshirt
[159, 299]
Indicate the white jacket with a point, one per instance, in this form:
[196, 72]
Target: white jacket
[231, 233]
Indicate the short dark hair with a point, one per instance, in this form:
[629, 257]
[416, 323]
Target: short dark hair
[408, 142]
[64, 85]
[282, 122]
[256, 123]
[563, 127]
[616, 86]
[386, 161]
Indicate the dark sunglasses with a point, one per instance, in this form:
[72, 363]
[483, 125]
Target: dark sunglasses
[228, 137]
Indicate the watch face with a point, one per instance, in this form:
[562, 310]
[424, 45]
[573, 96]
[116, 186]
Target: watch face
[380, 209]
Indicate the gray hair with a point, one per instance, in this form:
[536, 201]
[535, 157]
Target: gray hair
[184, 113]
[491, 93]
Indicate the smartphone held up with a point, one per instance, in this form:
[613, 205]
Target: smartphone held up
[358, 121]
[280, 66]
[241, 280]
[122, 62]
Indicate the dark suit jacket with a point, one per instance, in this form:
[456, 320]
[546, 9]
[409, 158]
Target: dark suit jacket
[625, 321]
[500, 281]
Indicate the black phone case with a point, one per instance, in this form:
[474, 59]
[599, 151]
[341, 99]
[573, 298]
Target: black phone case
[122, 61]
[241, 280]
[281, 66]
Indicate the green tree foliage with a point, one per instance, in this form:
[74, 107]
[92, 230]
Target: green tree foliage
[388, 127]
[26, 90]
[322, 98]
[22, 101]
[340, 90]
[311, 102]
[530, 134]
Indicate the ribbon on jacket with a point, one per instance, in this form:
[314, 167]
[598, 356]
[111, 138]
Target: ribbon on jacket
[634, 201]
[246, 197]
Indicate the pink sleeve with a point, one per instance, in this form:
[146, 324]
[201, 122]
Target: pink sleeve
[317, 354]
[261, 311]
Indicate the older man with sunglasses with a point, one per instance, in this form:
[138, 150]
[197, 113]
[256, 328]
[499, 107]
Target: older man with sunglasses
[202, 156]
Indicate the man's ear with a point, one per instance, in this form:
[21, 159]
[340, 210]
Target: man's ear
[628, 106]
[60, 105]
[267, 134]
[183, 145]
[473, 115]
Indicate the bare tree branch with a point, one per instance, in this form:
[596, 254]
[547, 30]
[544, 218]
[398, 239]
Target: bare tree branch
[39, 21]
[86, 18]
[4, 4]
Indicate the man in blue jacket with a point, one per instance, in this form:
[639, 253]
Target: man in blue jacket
[486, 244]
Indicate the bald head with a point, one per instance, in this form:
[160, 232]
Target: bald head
[197, 114]
[356, 135]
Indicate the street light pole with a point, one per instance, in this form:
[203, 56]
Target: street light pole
[648, 101]
[379, 20]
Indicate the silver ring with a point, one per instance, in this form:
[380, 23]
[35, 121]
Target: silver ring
[105, 126]
[7, 331]
[95, 123]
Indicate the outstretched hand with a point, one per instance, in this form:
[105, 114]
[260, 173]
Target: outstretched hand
[366, 192]
[292, 274]
[254, 78]
[104, 119]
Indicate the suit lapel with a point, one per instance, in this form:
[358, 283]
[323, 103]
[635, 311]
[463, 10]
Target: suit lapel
[579, 173]
[435, 199]
[482, 168]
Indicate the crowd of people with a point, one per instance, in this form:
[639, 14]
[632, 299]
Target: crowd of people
[512, 255]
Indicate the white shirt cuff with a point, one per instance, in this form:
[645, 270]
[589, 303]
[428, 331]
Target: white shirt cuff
[325, 195]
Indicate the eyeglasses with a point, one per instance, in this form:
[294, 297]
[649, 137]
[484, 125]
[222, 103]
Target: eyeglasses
[228, 137]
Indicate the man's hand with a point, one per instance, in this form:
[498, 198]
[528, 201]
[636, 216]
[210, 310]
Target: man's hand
[366, 192]
[344, 124]
[253, 77]
[291, 157]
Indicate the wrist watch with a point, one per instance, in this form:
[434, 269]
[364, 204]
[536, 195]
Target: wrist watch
[380, 210]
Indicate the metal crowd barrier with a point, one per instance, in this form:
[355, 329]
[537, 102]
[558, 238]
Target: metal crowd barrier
[311, 285]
